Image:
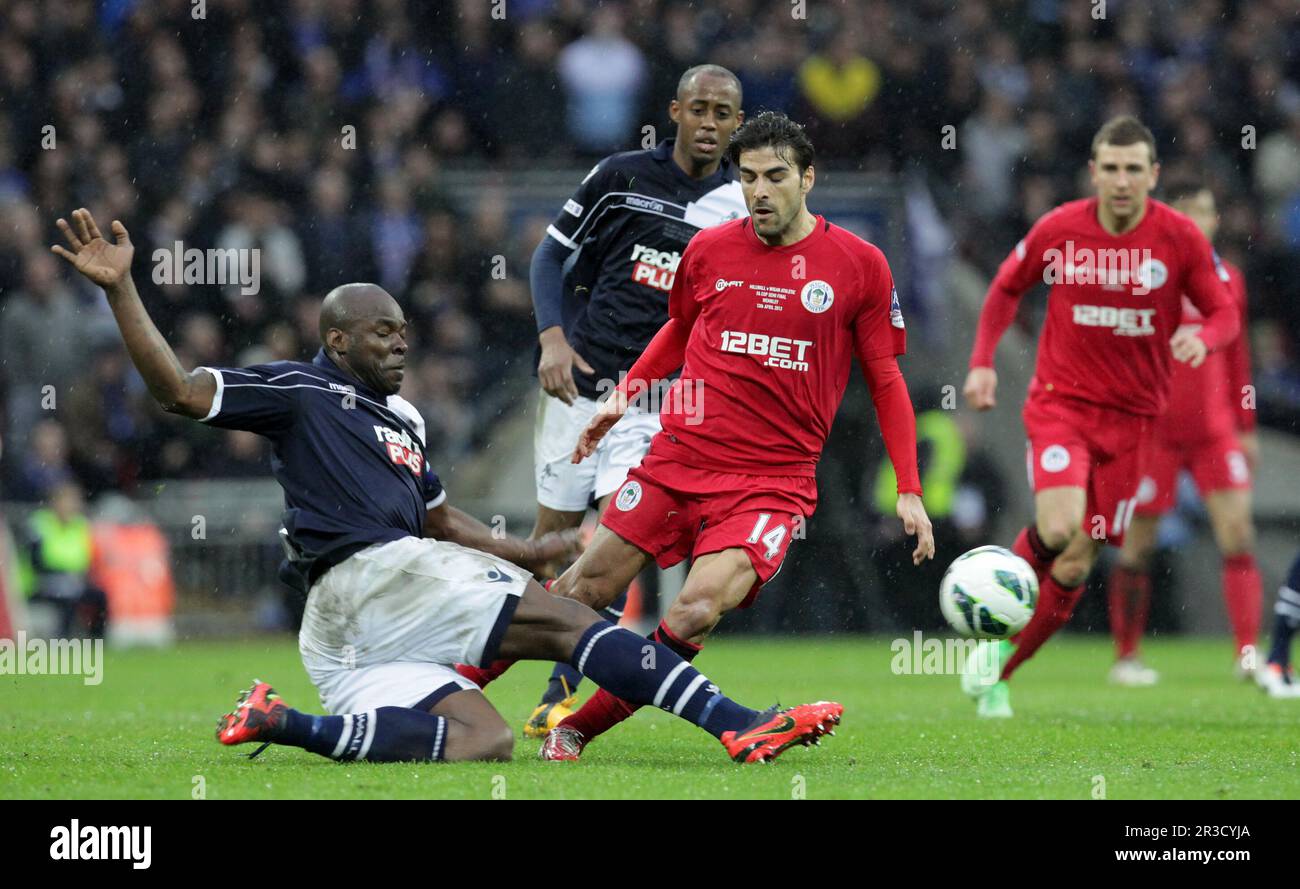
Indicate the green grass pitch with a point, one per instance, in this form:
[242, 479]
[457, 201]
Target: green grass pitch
[147, 731]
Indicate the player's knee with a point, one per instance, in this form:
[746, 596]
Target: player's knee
[491, 744]
[587, 584]
[1056, 530]
[694, 613]
[1237, 537]
[499, 746]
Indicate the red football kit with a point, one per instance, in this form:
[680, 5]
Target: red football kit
[1207, 409]
[1104, 360]
[765, 337]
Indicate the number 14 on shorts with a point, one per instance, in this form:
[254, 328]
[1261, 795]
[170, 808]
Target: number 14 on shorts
[771, 539]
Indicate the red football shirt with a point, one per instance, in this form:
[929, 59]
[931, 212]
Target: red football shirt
[773, 332]
[1206, 402]
[1114, 303]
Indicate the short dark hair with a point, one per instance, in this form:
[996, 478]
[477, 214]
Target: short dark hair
[773, 129]
[1183, 189]
[690, 74]
[1124, 130]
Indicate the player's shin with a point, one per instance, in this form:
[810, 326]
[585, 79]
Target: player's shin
[1055, 605]
[564, 679]
[642, 671]
[1243, 596]
[385, 734]
[1286, 618]
[603, 710]
[1129, 599]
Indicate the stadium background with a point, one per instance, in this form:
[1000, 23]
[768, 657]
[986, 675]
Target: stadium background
[419, 144]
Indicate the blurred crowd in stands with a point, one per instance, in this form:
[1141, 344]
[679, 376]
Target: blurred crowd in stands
[236, 130]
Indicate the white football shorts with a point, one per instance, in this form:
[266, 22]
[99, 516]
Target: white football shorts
[384, 627]
[570, 487]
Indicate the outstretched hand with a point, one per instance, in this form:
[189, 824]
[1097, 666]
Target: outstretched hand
[607, 414]
[103, 263]
[916, 522]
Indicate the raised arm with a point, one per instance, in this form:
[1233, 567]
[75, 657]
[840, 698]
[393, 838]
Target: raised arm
[177, 391]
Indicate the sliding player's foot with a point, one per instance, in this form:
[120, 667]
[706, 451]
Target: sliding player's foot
[1277, 681]
[1131, 672]
[774, 732]
[547, 716]
[259, 713]
[562, 744]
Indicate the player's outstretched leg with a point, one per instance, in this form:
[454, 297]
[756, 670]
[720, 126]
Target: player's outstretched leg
[603, 571]
[643, 672]
[1276, 676]
[717, 583]
[462, 726]
[603, 710]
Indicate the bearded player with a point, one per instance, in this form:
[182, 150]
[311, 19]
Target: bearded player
[627, 223]
[1209, 431]
[765, 316]
[1118, 264]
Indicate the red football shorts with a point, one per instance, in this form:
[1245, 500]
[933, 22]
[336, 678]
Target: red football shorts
[1216, 464]
[1076, 444]
[673, 511]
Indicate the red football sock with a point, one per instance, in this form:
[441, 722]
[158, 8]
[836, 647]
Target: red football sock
[1243, 594]
[481, 676]
[1055, 605]
[603, 710]
[1030, 547]
[1117, 609]
[1129, 595]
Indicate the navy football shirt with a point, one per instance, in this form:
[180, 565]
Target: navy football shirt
[630, 220]
[350, 461]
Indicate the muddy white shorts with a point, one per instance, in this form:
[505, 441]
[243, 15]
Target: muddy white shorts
[385, 626]
[570, 487]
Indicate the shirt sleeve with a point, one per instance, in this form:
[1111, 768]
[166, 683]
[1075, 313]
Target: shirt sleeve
[581, 211]
[1205, 281]
[434, 494]
[1021, 270]
[878, 328]
[262, 398]
[1238, 355]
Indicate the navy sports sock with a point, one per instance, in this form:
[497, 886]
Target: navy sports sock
[645, 672]
[564, 675]
[1286, 617]
[386, 734]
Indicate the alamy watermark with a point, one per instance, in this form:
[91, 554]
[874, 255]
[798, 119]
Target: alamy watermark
[21, 656]
[181, 265]
[936, 656]
[1132, 269]
[684, 398]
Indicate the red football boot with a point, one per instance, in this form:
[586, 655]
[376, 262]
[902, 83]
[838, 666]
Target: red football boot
[258, 713]
[773, 731]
